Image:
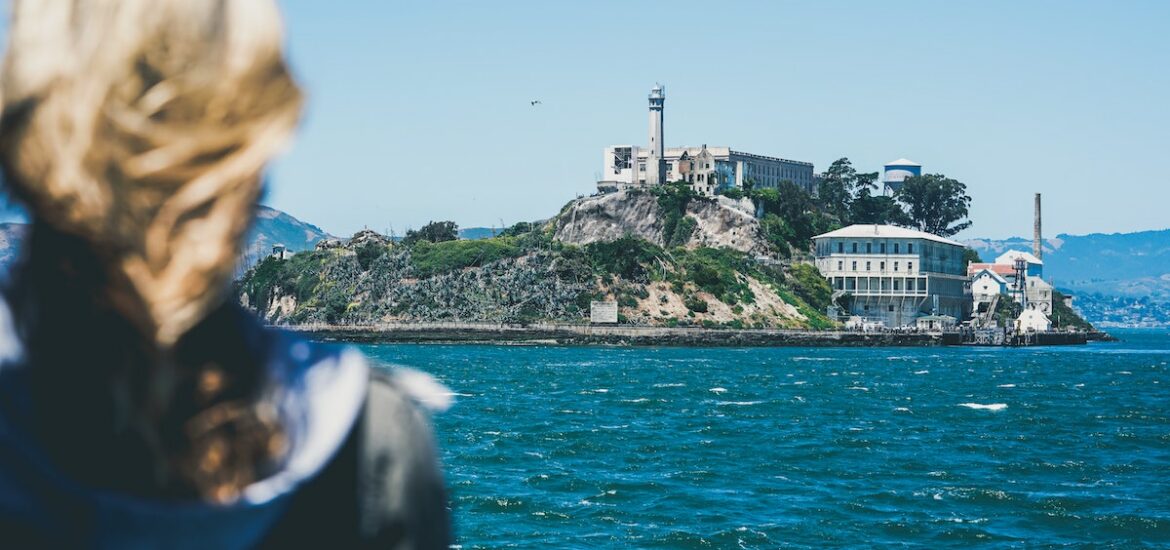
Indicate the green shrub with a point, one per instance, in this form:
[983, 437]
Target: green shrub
[812, 287]
[430, 259]
[732, 193]
[628, 257]
[778, 233]
[717, 270]
[1064, 316]
[681, 234]
[673, 199]
[695, 304]
[368, 252]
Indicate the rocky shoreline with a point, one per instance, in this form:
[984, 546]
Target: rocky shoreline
[569, 334]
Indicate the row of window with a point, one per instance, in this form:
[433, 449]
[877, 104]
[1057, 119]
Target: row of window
[773, 171]
[869, 248]
[911, 285]
[869, 266]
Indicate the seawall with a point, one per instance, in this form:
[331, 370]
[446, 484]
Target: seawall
[564, 334]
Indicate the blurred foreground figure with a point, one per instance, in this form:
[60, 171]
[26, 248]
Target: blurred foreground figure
[139, 407]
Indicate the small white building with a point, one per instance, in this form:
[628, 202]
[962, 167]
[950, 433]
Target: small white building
[1038, 294]
[936, 323]
[986, 285]
[1033, 320]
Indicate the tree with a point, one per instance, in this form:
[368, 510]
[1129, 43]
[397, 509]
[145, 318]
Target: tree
[836, 188]
[875, 209]
[936, 204]
[971, 256]
[799, 213]
[435, 232]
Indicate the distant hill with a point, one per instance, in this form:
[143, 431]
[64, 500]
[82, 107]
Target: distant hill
[272, 227]
[1119, 264]
[476, 233]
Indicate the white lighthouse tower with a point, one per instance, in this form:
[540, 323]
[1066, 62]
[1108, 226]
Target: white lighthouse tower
[655, 160]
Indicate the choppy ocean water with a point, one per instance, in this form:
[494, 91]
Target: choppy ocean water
[574, 447]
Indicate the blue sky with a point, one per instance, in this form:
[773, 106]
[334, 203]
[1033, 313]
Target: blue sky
[420, 110]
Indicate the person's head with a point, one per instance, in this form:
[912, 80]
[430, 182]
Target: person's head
[142, 127]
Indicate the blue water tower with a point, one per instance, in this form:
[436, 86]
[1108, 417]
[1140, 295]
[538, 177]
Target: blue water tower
[897, 171]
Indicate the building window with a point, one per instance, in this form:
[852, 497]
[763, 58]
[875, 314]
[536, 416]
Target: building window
[891, 306]
[840, 248]
[882, 248]
[897, 284]
[854, 265]
[909, 248]
[869, 248]
[840, 265]
[882, 266]
[867, 266]
[641, 166]
[895, 248]
[855, 248]
[895, 266]
[910, 266]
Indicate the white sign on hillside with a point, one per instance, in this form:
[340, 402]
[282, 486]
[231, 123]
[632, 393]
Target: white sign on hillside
[603, 312]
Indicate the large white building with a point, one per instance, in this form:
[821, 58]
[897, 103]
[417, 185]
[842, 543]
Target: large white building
[894, 275]
[707, 169]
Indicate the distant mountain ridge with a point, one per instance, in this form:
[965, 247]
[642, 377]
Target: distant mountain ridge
[273, 227]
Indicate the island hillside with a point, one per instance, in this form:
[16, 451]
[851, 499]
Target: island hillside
[667, 256]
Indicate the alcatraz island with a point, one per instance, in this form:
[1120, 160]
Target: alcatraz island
[688, 246]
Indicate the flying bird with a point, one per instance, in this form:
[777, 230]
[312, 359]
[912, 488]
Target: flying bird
[535, 102]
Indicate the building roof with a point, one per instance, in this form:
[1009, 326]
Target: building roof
[1003, 270]
[902, 162]
[1010, 256]
[996, 276]
[868, 231]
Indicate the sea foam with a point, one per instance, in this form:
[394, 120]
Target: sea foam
[982, 407]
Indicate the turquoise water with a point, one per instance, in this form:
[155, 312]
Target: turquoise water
[570, 447]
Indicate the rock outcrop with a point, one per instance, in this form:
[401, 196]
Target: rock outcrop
[719, 221]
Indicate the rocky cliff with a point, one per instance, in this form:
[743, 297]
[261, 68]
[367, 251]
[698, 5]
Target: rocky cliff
[716, 222]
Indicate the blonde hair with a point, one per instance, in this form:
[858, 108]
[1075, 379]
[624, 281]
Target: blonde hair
[143, 126]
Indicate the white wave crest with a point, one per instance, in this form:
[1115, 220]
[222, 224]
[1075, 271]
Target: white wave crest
[987, 407]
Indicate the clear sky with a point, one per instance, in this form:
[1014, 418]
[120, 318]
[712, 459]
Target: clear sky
[420, 110]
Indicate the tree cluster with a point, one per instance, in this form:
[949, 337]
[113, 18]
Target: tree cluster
[434, 232]
[932, 203]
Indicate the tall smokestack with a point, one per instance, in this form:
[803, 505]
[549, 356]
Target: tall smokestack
[1036, 238]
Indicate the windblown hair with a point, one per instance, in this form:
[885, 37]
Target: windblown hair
[136, 132]
[143, 126]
